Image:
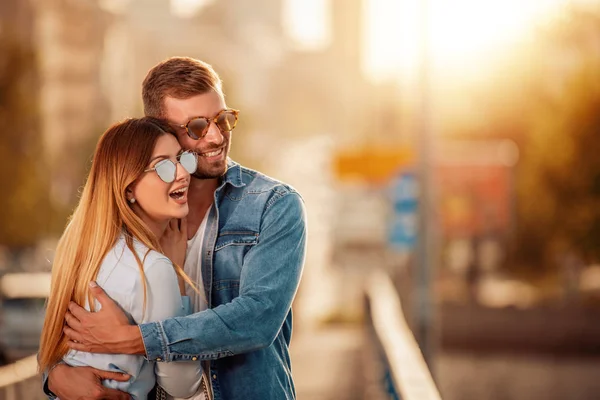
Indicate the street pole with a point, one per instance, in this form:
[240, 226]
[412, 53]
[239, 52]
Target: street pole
[425, 329]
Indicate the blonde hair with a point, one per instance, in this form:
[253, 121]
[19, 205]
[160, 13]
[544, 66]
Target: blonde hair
[101, 217]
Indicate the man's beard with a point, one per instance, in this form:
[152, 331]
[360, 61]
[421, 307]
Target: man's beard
[209, 175]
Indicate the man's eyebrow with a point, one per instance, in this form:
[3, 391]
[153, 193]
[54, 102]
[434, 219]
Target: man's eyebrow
[198, 116]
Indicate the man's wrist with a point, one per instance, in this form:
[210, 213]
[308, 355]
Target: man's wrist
[133, 340]
[50, 381]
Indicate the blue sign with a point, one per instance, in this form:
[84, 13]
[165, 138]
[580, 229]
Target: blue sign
[403, 224]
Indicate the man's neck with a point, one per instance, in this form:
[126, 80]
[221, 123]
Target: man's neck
[200, 197]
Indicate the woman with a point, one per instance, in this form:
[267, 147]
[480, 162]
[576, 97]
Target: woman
[137, 185]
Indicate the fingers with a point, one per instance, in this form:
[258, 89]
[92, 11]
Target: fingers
[73, 322]
[113, 394]
[117, 376]
[73, 334]
[77, 311]
[100, 295]
[78, 346]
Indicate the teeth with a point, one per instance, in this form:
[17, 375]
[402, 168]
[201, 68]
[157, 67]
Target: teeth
[212, 153]
[179, 191]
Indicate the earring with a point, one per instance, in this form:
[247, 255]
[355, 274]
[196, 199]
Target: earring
[132, 200]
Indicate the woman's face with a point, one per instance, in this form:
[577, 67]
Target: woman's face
[155, 199]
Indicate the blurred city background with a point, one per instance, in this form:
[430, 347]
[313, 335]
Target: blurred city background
[452, 146]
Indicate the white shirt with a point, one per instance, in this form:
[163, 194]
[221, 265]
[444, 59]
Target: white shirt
[120, 277]
[193, 269]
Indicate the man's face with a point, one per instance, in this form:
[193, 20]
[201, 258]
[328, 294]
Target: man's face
[213, 148]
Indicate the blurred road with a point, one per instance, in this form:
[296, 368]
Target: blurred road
[335, 362]
[497, 376]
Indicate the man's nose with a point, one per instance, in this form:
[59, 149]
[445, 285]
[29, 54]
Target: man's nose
[214, 135]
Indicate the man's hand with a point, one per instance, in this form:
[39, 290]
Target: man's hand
[106, 331]
[84, 383]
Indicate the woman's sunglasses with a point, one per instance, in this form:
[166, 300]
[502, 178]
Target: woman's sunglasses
[225, 120]
[167, 169]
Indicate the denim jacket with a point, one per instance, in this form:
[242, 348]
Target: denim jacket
[252, 259]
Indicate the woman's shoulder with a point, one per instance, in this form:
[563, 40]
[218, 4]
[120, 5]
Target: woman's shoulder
[126, 257]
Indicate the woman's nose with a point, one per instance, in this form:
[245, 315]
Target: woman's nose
[181, 172]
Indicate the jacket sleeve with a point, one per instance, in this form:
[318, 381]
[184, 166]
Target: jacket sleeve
[269, 279]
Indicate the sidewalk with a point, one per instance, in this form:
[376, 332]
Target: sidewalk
[335, 362]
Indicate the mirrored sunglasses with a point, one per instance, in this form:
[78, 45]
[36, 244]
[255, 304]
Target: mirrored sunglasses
[225, 120]
[167, 169]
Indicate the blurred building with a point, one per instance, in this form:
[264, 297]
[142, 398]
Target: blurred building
[70, 40]
[21, 150]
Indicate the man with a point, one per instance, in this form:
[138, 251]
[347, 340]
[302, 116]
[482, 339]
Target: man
[246, 249]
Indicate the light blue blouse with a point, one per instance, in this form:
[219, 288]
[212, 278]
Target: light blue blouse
[120, 277]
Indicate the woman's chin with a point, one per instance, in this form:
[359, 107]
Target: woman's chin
[181, 211]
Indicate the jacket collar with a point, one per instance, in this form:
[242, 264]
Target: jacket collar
[233, 176]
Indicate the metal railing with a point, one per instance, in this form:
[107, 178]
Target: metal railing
[407, 375]
[20, 380]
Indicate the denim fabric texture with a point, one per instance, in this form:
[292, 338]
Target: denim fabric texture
[252, 259]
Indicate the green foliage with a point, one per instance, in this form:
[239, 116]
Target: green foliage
[24, 203]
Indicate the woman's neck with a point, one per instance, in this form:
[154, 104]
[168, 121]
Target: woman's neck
[156, 227]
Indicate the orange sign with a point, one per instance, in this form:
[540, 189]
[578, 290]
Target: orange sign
[371, 164]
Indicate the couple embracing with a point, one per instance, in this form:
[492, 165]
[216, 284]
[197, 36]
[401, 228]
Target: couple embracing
[175, 275]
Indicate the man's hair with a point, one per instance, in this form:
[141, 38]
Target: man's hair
[178, 77]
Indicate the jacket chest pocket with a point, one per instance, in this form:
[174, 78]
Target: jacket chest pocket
[230, 249]
[236, 238]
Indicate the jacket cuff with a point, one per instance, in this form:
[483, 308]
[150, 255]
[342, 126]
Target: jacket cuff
[154, 341]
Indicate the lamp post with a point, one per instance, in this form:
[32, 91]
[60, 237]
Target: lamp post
[424, 297]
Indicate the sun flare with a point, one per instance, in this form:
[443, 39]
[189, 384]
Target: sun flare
[461, 32]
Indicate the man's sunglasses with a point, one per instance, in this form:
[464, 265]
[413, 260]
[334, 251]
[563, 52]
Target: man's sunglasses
[225, 120]
[167, 169]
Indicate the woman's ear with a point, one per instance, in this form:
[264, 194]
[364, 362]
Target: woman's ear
[129, 195]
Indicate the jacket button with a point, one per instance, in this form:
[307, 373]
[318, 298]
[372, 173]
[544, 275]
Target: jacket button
[194, 358]
[215, 377]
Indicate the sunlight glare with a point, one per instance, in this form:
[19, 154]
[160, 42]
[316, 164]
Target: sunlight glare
[308, 23]
[462, 33]
[188, 8]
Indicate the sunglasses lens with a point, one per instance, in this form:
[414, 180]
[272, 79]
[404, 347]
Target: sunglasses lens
[227, 121]
[189, 161]
[166, 170]
[196, 128]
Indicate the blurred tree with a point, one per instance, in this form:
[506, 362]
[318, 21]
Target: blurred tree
[559, 183]
[24, 206]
